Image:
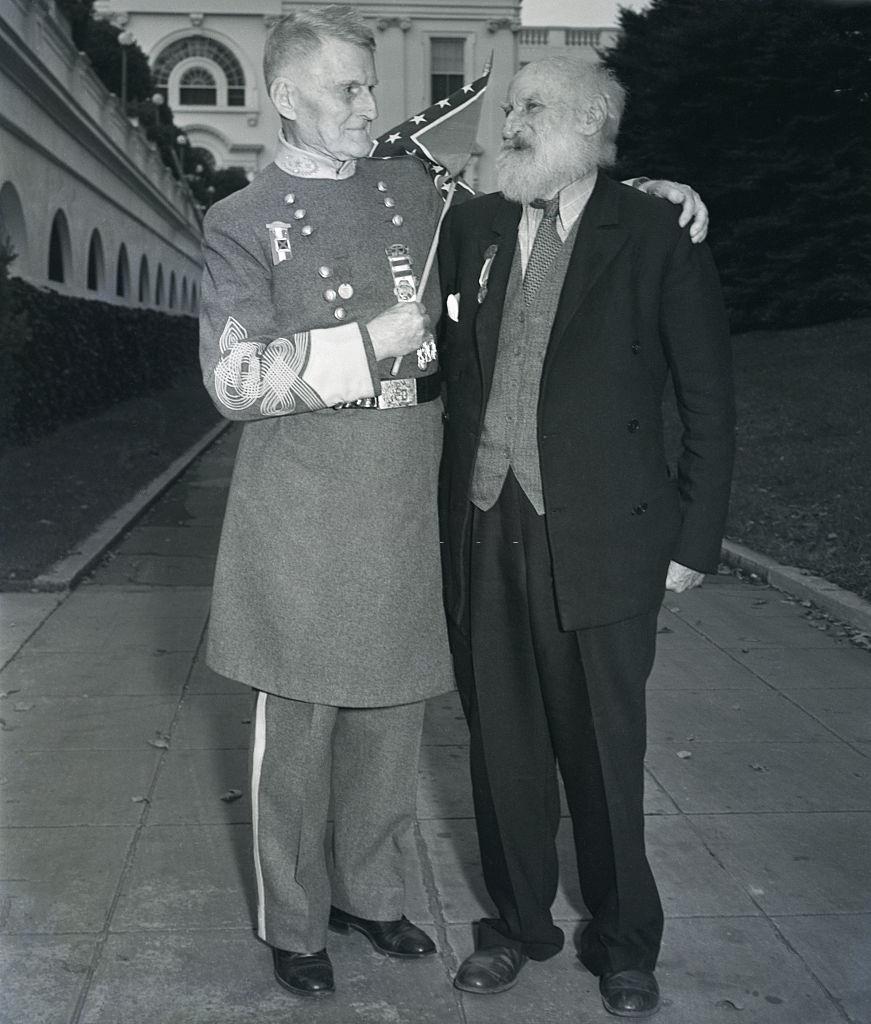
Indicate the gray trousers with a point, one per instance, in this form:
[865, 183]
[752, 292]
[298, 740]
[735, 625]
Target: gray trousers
[306, 761]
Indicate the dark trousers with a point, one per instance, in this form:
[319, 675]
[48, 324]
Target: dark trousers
[537, 697]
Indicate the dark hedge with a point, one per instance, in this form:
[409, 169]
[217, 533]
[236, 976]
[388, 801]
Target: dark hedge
[764, 107]
[62, 358]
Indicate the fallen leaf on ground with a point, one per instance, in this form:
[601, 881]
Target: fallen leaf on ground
[727, 1004]
[139, 800]
[8, 693]
[684, 754]
[231, 795]
[160, 741]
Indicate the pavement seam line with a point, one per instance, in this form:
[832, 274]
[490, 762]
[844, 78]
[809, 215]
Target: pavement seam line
[856, 748]
[446, 953]
[32, 633]
[133, 847]
[823, 987]
[765, 916]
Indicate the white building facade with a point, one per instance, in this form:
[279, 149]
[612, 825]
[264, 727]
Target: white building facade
[535, 42]
[85, 200]
[207, 64]
[207, 61]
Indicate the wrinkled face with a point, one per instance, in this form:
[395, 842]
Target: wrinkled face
[538, 108]
[543, 145]
[330, 101]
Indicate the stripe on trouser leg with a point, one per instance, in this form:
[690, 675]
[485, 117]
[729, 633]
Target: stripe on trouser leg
[259, 749]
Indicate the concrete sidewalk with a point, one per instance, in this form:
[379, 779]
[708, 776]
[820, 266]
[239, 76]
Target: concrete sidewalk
[127, 890]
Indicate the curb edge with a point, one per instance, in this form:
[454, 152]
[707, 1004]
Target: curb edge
[832, 599]
[65, 573]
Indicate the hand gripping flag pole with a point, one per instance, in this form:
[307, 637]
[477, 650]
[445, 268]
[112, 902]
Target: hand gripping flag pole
[442, 138]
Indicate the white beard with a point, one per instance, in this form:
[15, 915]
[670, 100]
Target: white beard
[538, 171]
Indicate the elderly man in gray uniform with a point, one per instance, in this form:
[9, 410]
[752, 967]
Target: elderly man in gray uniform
[327, 596]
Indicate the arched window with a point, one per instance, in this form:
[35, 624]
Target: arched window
[203, 52]
[144, 282]
[195, 300]
[158, 287]
[13, 232]
[184, 294]
[198, 88]
[59, 250]
[122, 274]
[172, 291]
[96, 263]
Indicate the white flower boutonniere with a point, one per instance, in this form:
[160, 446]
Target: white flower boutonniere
[489, 256]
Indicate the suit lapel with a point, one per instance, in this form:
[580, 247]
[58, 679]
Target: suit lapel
[600, 237]
[488, 321]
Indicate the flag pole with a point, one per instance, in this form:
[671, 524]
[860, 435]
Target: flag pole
[430, 259]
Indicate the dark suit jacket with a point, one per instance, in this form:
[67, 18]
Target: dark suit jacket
[639, 301]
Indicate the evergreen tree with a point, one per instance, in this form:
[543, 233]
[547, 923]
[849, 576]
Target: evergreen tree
[78, 13]
[99, 41]
[763, 105]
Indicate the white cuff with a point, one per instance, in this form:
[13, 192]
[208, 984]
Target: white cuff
[338, 368]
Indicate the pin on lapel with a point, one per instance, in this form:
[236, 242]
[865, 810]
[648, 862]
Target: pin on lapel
[483, 277]
[279, 239]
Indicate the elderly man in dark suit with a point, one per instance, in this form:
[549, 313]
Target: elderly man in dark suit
[570, 300]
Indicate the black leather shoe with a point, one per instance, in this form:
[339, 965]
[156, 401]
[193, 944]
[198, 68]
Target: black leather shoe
[490, 969]
[630, 993]
[394, 938]
[306, 974]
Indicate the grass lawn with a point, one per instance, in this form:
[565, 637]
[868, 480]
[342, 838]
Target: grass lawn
[802, 489]
[56, 491]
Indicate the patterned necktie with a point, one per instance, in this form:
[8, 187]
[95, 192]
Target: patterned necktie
[544, 249]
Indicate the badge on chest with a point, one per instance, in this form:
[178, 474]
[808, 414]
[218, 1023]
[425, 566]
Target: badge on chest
[405, 290]
[279, 241]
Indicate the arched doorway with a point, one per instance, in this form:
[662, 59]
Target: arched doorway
[60, 257]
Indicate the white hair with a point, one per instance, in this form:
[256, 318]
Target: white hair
[584, 81]
[300, 34]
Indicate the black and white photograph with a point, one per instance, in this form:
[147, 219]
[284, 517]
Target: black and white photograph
[435, 547]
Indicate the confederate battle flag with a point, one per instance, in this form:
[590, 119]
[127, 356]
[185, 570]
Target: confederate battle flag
[442, 136]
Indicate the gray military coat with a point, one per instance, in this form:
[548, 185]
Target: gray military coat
[327, 587]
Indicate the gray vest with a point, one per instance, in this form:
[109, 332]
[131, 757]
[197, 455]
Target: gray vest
[510, 434]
